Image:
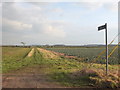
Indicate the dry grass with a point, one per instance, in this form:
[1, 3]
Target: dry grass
[48, 54]
[98, 77]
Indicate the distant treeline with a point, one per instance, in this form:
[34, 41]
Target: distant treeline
[15, 46]
[58, 46]
[84, 46]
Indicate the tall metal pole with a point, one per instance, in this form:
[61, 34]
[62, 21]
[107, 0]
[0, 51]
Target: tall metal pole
[106, 51]
[101, 28]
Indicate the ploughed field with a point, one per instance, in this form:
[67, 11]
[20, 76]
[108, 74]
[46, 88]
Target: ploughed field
[40, 68]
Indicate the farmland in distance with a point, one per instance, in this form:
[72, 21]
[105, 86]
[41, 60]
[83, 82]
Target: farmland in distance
[88, 54]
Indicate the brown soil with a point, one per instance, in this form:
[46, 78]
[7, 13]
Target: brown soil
[32, 77]
[31, 53]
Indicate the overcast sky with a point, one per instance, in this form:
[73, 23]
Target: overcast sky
[58, 23]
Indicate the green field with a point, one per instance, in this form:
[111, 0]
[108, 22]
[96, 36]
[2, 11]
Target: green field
[88, 54]
[13, 58]
[67, 72]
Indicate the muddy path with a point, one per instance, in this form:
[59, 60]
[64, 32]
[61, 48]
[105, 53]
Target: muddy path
[29, 78]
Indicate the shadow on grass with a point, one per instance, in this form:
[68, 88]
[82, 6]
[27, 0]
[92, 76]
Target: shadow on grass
[86, 78]
[67, 80]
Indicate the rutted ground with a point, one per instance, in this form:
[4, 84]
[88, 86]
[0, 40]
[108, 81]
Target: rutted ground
[46, 69]
[33, 76]
[29, 77]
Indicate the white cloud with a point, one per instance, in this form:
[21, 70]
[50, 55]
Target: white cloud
[90, 5]
[111, 6]
[58, 10]
[54, 31]
[61, 0]
[31, 21]
[39, 4]
[50, 28]
[15, 25]
[96, 4]
[99, 1]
